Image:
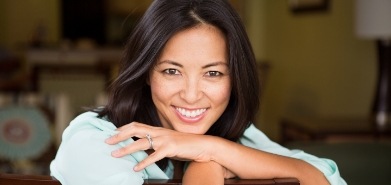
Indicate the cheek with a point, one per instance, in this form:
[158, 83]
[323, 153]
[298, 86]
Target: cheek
[220, 93]
[157, 89]
[161, 90]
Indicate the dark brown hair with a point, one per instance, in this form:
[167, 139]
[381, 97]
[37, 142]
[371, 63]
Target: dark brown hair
[130, 96]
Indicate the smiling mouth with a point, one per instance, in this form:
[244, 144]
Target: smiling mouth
[190, 113]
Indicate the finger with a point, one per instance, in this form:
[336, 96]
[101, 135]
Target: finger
[154, 157]
[141, 144]
[131, 130]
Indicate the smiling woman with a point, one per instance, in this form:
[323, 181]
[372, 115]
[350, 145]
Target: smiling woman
[190, 89]
[186, 96]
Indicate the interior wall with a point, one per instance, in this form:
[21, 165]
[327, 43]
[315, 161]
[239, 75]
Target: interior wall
[19, 20]
[255, 22]
[2, 24]
[318, 65]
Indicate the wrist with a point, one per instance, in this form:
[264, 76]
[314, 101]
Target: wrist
[214, 147]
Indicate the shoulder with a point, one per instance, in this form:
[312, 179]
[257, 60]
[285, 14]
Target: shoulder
[85, 158]
[255, 138]
[90, 120]
[252, 136]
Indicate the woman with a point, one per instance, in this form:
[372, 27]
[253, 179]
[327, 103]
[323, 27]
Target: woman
[182, 106]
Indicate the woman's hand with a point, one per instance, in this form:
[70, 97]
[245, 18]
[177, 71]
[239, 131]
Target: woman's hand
[166, 143]
[207, 149]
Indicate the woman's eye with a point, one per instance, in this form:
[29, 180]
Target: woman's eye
[213, 73]
[171, 71]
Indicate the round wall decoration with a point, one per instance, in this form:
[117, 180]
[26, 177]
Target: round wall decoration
[24, 132]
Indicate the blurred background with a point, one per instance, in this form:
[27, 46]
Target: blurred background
[319, 77]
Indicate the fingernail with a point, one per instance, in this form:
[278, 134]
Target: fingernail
[136, 168]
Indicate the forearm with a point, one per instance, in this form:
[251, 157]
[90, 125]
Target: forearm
[248, 163]
[204, 173]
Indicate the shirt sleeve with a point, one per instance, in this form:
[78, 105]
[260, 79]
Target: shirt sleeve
[85, 158]
[254, 138]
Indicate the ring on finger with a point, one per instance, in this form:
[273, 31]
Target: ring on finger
[149, 138]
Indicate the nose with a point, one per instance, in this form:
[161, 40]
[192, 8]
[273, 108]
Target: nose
[192, 91]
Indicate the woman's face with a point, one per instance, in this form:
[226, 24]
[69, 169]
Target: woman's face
[190, 82]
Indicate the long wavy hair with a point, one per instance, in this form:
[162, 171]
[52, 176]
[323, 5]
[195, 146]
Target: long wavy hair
[130, 96]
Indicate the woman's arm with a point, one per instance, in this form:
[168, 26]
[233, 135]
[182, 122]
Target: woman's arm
[259, 159]
[249, 163]
[206, 173]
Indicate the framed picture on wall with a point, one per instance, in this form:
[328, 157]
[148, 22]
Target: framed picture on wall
[301, 6]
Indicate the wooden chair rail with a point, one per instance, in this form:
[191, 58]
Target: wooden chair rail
[18, 179]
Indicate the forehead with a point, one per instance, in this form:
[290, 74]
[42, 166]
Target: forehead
[201, 41]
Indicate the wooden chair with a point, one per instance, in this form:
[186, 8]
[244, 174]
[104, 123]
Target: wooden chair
[18, 179]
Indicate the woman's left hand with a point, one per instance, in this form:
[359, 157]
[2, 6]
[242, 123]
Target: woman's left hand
[166, 143]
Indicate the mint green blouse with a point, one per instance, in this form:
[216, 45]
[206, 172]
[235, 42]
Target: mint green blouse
[84, 158]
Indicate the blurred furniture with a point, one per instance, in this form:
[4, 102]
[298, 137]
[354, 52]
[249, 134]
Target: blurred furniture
[30, 130]
[17, 179]
[80, 73]
[72, 61]
[12, 77]
[329, 129]
[373, 23]
[359, 162]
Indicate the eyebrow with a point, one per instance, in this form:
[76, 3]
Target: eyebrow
[215, 64]
[203, 67]
[170, 62]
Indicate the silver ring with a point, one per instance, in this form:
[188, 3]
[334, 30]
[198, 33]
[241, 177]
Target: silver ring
[150, 141]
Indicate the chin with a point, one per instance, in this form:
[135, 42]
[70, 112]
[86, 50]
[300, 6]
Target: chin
[191, 130]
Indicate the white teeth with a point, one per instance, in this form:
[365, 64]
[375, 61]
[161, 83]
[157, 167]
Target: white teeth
[190, 113]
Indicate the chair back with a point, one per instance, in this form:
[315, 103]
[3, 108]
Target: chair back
[19, 179]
